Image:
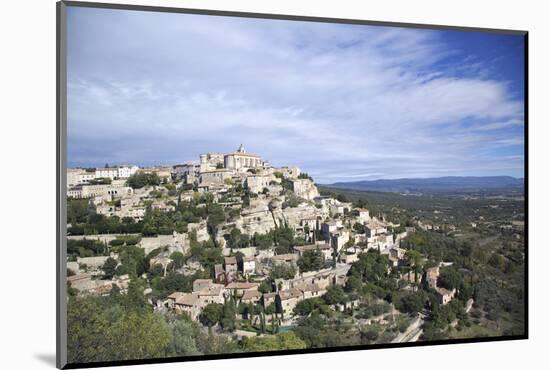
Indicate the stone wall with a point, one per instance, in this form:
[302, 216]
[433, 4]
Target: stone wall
[305, 188]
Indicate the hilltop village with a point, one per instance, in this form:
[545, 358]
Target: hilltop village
[250, 252]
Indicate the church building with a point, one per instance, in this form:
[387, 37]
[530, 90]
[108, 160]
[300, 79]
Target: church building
[242, 161]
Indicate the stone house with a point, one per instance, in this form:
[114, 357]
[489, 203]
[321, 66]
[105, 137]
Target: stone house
[249, 265]
[231, 264]
[289, 299]
[239, 288]
[339, 208]
[257, 183]
[339, 238]
[269, 298]
[189, 303]
[431, 277]
[284, 259]
[445, 295]
[363, 214]
[200, 284]
[311, 291]
[325, 249]
[211, 294]
[217, 176]
[375, 227]
[305, 188]
[329, 227]
[219, 274]
[251, 297]
[349, 255]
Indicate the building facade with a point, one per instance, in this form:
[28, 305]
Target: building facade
[242, 161]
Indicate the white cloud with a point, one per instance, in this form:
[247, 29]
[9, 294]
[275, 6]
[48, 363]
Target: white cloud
[355, 101]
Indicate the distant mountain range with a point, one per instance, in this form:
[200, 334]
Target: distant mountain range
[449, 183]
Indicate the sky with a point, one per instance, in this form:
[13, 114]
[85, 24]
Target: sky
[342, 102]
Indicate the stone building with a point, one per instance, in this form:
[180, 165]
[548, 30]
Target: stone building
[199, 284]
[288, 259]
[251, 296]
[339, 208]
[249, 265]
[311, 290]
[163, 172]
[374, 227]
[181, 171]
[305, 188]
[186, 302]
[291, 172]
[83, 191]
[339, 238]
[123, 172]
[330, 227]
[214, 293]
[230, 264]
[239, 288]
[445, 296]
[77, 176]
[210, 161]
[108, 172]
[289, 299]
[432, 274]
[242, 161]
[216, 176]
[325, 249]
[257, 183]
[363, 214]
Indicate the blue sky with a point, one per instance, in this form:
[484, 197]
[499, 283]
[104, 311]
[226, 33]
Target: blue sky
[343, 102]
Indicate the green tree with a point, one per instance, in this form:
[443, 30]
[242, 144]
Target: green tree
[307, 306]
[88, 331]
[133, 260]
[210, 257]
[353, 283]
[271, 308]
[109, 268]
[78, 210]
[182, 342]
[450, 278]
[211, 314]
[233, 238]
[228, 316]
[277, 342]
[410, 302]
[141, 179]
[311, 261]
[335, 295]
[342, 198]
[414, 259]
[178, 259]
[262, 241]
[140, 335]
[359, 228]
[216, 216]
[134, 299]
[282, 271]
[156, 271]
[264, 287]
[370, 334]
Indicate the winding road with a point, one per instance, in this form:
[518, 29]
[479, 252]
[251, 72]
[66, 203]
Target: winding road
[412, 333]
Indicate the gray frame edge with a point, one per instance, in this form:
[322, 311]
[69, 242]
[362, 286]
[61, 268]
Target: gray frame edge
[61, 148]
[61, 227]
[288, 17]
